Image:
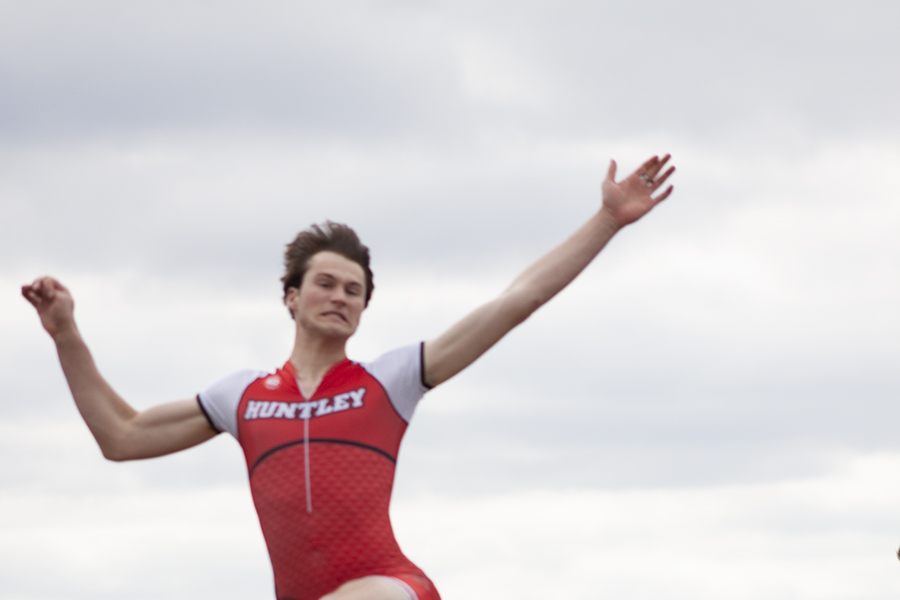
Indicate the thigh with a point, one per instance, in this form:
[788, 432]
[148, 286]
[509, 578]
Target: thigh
[374, 587]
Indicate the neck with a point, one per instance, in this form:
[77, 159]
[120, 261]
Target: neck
[312, 356]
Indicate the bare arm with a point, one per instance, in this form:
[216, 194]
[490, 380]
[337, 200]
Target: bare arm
[122, 432]
[623, 203]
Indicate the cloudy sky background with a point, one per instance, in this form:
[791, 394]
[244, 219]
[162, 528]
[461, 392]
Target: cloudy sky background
[709, 412]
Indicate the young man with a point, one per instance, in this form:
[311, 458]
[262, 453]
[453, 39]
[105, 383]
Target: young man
[321, 434]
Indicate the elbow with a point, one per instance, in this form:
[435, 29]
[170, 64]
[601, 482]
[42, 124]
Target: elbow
[532, 304]
[114, 454]
[116, 449]
[522, 306]
[520, 316]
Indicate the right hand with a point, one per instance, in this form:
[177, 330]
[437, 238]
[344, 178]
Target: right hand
[54, 305]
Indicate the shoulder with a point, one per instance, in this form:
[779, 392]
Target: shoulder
[401, 374]
[220, 400]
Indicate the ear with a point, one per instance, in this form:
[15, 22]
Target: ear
[291, 298]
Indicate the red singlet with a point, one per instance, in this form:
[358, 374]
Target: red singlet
[321, 469]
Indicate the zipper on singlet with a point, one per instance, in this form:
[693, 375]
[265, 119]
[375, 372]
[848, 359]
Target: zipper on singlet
[306, 465]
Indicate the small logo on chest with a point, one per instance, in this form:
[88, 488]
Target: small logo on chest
[264, 409]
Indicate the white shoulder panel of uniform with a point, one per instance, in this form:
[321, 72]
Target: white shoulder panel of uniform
[220, 400]
[400, 373]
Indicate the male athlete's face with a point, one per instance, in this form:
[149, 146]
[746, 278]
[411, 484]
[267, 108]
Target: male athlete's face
[331, 297]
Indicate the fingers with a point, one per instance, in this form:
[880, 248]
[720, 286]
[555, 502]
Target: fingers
[657, 183]
[651, 168]
[645, 168]
[32, 292]
[647, 171]
[42, 289]
[657, 166]
[47, 288]
[611, 174]
[30, 295]
[664, 195]
[661, 163]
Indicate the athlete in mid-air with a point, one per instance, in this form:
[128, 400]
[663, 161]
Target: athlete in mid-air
[321, 434]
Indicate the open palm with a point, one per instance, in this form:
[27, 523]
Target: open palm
[632, 198]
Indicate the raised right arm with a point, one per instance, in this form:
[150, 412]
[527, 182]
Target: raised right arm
[122, 432]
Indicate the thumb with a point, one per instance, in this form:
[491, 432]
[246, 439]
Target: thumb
[611, 174]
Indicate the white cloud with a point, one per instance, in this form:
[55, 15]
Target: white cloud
[826, 538]
[495, 74]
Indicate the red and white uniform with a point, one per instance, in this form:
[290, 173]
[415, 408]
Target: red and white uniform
[322, 468]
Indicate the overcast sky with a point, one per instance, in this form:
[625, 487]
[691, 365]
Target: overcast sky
[709, 412]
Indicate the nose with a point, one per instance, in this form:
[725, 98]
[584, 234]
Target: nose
[338, 295]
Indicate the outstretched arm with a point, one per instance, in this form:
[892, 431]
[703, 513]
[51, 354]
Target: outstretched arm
[623, 203]
[122, 432]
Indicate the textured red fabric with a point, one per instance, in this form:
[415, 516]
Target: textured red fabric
[348, 533]
[341, 531]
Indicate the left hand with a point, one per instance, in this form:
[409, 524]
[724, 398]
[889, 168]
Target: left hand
[630, 199]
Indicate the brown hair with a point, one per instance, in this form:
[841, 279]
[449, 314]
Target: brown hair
[330, 236]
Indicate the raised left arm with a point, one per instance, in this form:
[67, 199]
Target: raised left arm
[623, 203]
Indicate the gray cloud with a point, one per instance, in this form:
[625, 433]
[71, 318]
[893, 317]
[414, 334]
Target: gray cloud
[389, 71]
[102, 68]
